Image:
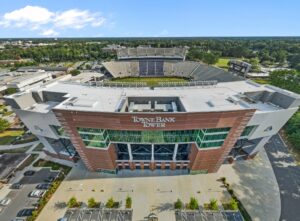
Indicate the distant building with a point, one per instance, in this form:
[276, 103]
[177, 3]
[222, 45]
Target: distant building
[239, 67]
[23, 81]
[112, 48]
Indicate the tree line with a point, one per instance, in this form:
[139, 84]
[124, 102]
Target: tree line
[266, 51]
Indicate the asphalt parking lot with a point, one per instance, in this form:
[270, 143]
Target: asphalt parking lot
[20, 197]
[287, 173]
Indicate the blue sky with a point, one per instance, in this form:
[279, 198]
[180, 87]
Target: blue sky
[142, 18]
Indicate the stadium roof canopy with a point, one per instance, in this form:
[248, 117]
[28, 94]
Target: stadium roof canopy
[147, 53]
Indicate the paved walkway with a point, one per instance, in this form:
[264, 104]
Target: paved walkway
[288, 177]
[16, 146]
[253, 181]
[255, 184]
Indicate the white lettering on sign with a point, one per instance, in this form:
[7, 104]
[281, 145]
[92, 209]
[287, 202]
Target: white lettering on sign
[153, 121]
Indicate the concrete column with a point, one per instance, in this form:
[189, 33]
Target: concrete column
[260, 145]
[152, 152]
[175, 152]
[129, 151]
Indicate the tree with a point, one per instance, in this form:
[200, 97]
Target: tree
[110, 203]
[128, 202]
[210, 58]
[294, 138]
[72, 203]
[255, 66]
[286, 79]
[92, 203]
[213, 204]
[4, 124]
[74, 72]
[193, 204]
[233, 204]
[178, 204]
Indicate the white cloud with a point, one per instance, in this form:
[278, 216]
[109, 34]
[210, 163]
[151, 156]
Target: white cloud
[28, 16]
[78, 19]
[49, 33]
[47, 22]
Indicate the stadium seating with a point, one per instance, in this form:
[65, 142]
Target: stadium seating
[156, 68]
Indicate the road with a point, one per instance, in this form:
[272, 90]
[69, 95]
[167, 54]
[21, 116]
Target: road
[288, 177]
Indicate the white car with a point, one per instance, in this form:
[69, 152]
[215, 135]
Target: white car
[5, 201]
[37, 193]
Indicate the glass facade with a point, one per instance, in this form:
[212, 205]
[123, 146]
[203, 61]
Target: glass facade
[247, 131]
[205, 138]
[60, 131]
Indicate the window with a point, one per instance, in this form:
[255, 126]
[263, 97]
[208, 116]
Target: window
[203, 137]
[60, 131]
[248, 130]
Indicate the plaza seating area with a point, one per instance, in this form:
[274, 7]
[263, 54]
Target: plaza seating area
[208, 215]
[98, 214]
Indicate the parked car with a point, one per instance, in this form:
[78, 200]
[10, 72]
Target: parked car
[19, 219]
[5, 201]
[25, 212]
[29, 173]
[16, 186]
[37, 193]
[43, 186]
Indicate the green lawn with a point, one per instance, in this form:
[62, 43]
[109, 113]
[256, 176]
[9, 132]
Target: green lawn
[53, 165]
[151, 81]
[261, 80]
[8, 136]
[39, 147]
[222, 63]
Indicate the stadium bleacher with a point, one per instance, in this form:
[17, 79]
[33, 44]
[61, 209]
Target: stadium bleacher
[158, 68]
[158, 62]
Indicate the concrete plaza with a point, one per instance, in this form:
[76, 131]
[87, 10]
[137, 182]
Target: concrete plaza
[253, 181]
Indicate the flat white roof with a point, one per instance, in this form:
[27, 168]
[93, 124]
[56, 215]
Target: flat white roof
[194, 99]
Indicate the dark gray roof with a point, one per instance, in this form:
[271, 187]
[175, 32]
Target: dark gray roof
[35, 68]
[208, 73]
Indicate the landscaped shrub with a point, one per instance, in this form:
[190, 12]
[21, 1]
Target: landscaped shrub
[92, 203]
[193, 204]
[230, 191]
[233, 204]
[178, 204]
[128, 202]
[110, 203]
[213, 204]
[223, 179]
[73, 203]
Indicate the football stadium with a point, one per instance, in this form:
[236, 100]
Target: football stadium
[193, 118]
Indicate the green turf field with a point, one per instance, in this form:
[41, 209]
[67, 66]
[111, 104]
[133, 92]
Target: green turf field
[151, 81]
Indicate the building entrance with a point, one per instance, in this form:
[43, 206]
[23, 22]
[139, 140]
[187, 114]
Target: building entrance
[152, 156]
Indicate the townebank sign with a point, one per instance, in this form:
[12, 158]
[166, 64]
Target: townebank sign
[153, 121]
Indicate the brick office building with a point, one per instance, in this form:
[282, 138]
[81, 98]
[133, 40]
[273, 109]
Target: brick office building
[194, 126]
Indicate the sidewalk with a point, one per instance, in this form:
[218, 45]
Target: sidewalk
[255, 184]
[16, 146]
